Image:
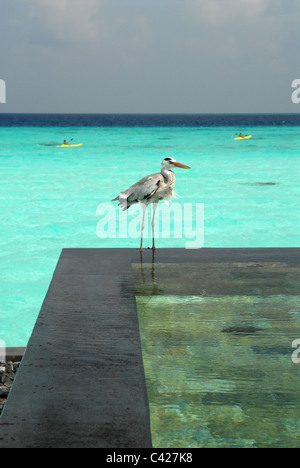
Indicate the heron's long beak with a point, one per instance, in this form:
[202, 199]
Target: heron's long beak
[183, 166]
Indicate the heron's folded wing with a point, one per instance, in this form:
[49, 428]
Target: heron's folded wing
[144, 189]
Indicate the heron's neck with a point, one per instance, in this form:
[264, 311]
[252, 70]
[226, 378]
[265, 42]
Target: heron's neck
[167, 174]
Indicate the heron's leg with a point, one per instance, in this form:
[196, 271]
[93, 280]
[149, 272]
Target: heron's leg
[155, 205]
[144, 206]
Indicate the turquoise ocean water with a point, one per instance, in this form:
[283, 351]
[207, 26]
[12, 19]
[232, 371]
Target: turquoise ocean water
[49, 196]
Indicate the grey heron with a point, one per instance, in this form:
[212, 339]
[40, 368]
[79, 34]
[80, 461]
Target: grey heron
[151, 189]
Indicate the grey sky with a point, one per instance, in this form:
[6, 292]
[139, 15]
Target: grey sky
[149, 55]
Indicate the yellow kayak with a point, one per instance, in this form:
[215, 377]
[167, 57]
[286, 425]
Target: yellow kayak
[68, 146]
[244, 138]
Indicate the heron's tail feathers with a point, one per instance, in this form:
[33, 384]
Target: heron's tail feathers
[123, 202]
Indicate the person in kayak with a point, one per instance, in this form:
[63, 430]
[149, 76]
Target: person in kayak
[241, 135]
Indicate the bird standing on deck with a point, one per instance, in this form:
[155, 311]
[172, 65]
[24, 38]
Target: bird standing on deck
[151, 189]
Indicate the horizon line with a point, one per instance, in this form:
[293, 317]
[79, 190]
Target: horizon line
[149, 113]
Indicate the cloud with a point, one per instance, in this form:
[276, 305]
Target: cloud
[220, 12]
[100, 24]
[131, 55]
[261, 33]
[67, 20]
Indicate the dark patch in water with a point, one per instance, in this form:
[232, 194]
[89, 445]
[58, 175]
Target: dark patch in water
[260, 184]
[283, 351]
[241, 330]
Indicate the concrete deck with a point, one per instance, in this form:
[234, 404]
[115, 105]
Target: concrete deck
[81, 382]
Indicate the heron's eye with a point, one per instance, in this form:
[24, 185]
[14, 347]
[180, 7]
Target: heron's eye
[168, 159]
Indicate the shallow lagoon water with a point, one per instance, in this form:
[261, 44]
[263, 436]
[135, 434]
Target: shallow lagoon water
[218, 361]
[49, 196]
